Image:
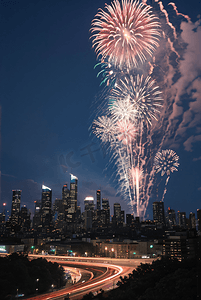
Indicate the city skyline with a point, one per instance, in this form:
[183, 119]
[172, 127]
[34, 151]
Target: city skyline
[97, 202]
[48, 85]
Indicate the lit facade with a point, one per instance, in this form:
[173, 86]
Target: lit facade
[65, 199]
[98, 200]
[182, 219]
[73, 194]
[15, 209]
[158, 212]
[171, 217]
[89, 212]
[105, 212]
[46, 208]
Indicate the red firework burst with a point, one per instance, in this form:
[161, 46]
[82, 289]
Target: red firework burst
[126, 33]
[126, 132]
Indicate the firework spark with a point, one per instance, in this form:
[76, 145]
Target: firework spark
[166, 162]
[125, 34]
[143, 96]
[104, 129]
[122, 109]
[126, 132]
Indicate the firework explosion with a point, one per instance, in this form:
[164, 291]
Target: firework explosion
[125, 33]
[125, 37]
[144, 97]
[166, 162]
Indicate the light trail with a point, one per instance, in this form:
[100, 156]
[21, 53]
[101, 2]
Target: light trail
[92, 283]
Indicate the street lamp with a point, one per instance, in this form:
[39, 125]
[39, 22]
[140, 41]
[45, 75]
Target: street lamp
[52, 287]
[106, 251]
[112, 252]
[37, 280]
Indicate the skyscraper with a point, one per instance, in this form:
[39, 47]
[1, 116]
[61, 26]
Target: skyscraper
[98, 200]
[89, 203]
[65, 199]
[25, 221]
[58, 210]
[37, 215]
[192, 221]
[15, 209]
[58, 214]
[89, 212]
[119, 216]
[73, 194]
[171, 217]
[105, 212]
[182, 219]
[129, 219]
[158, 212]
[46, 212]
[117, 212]
[199, 219]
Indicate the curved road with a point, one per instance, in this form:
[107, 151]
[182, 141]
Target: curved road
[97, 274]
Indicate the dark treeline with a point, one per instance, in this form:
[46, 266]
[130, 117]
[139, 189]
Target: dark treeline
[18, 275]
[164, 279]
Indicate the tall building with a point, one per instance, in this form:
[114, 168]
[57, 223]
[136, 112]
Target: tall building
[98, 200]
[46, 208]
[117, 211]
[158, 212]
[122, 216]
[59, 214]
[119, 216]
[192, 221]
[37, 222]
[89, 203]
[181, 219]
[58, 210]
[89, 212]
[73, 194]
[3, 220]
[65, 199]
[129, 219]
[25, 221]
[171, 217]
[15, 208]
[199, 219]
[105, 212]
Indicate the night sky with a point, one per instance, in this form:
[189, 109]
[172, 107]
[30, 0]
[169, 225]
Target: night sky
[48, 85]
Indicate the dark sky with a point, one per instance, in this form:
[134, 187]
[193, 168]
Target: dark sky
[48, 84]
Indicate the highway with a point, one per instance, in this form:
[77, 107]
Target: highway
[96, 274]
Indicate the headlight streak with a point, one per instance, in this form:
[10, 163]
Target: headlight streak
[120, 270]
[61, 259]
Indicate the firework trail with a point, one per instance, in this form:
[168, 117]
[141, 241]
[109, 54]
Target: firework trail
[109, 73]
[166, 162]
[135, 121]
